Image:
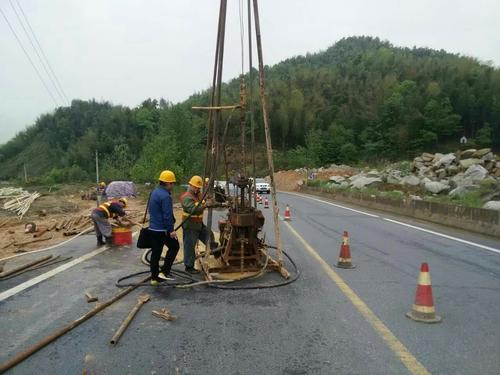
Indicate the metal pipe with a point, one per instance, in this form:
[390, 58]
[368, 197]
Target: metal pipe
[141, 301]
[267, 131]
[47, 340]
[24, 266]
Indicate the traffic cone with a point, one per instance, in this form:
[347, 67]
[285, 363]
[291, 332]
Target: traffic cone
[423, 309]
[266, 203]
[287, 213]
[345, 260]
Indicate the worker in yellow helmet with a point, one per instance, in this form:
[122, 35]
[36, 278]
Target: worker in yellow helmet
[161, 227]
[192, 216]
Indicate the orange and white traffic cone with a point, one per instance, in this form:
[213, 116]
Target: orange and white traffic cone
[423, 309]
[287, 215]
[266, 203]
[345, 260]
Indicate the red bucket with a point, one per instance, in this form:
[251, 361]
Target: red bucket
[122, 236]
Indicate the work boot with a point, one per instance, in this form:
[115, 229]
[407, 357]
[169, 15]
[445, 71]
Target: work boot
[109, 240]
[100, 242]
[192, 270]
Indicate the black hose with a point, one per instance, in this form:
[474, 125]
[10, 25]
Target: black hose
[191, 279]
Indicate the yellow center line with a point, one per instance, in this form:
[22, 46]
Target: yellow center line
[411, 363]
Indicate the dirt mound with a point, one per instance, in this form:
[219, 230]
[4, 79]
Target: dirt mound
[289, 180]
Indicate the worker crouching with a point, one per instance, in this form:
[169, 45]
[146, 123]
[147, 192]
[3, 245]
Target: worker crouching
[192, 217]
[101, 215]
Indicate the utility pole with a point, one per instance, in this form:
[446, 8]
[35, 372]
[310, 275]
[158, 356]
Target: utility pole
[97, 168]
[25, 174]
[97, 177]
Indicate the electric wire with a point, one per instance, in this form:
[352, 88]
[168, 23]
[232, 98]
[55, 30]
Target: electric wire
[28, 36]
[42, 51]
[29, 58]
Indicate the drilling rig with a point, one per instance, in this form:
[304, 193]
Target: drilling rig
[241, 246]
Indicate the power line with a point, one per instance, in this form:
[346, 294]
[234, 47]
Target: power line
[43, 53]
[36, 52]
[29, 58]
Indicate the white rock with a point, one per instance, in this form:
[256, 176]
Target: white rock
[373, 173]
[415, 197]
[436, 187]
[337, 179]
[492, 205]
[475, 173]
[362, 182]
[466, 163]
[460, 191]
[410, 180]
[446, 160]
[481, 152]
[468, 153]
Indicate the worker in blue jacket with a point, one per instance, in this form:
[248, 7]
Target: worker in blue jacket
[161, 227]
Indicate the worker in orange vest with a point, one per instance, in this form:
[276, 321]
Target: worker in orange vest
[193, 228]
[100, 216]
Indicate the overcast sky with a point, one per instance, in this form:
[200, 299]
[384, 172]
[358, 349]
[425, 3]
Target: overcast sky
[125, 51]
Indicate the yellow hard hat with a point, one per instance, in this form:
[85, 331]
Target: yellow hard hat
[167, 176]
[207, 179]
[196, 181]
[102, 184]
[124, 201]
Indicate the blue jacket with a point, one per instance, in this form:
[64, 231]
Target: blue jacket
[161, 212]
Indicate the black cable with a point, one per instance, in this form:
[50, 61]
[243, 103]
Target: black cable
[187, 276]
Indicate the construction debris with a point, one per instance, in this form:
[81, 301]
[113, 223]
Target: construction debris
[90, 298]
[24, 266]
[75, 323]
[164, 314]
[21, 204]
[31, 241]
[141, 301]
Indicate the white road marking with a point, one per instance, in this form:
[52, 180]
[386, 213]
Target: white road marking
[36, 280]
[28, 284]
[484, 247]
[332, 204]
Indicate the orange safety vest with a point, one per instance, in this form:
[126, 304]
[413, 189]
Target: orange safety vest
[105, 207]
[194, 217]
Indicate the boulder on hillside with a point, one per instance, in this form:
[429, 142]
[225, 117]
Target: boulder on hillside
[466, 163]
[410, 180]
[481, 152]
[337, 179]
[452, 170]
[436, 187]
[475, 173]
[393, 177]
[460, 191]
[467, 153]
[488, 157]
[441, 173]
[373, 173]
[427, 157]
[445, 160]
[492, 205]
[362, 182]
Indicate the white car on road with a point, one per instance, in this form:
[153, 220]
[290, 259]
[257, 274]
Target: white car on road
[262, 186]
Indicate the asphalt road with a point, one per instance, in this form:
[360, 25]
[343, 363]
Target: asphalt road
[330, 321]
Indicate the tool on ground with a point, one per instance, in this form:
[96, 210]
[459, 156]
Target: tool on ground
[140, 301]
[90, 298]
[24, 266]
[423, 309]
[345, 260]
[288, 215]
[164, 314]
[47, 340]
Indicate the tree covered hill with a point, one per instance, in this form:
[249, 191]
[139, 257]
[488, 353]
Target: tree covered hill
[361, 99]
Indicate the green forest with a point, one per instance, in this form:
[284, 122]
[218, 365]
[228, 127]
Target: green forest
[360, 101]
